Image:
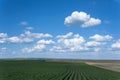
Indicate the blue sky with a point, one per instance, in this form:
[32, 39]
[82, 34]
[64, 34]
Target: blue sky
[78, 29]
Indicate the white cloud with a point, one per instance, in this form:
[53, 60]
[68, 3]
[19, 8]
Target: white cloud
[98, 37]
[36, 35]
[26, 37]
[69, 42]
[39, 46]
[75, 43]
[26, 40]
[76, 35]
[45, 42]
[35, 48]
[78, 48]
[65, 43]
[93, 44]
[98, 41]
[2, 41]
[116, 45]
[29, 37]
[81, 19]
[65, 36]
[3, 35]
[91, 22]
[14, 40]
[57, 49]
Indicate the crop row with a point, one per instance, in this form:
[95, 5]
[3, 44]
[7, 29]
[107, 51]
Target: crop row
[37, 70]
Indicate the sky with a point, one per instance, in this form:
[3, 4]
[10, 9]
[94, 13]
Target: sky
[63, 29]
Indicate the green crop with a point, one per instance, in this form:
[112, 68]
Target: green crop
[42, 70]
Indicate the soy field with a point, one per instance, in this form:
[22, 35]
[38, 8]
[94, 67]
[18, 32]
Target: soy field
[43, 70]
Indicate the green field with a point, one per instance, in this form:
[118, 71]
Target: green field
[42, 70]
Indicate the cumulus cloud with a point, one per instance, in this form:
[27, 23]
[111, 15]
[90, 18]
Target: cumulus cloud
[45, 42]
[98, 37]
[36, 48]
[36, 35]
[14, 40]
[93, 44]
[30, 37]
[69, 42]
[57, 49]
[39, 46]
[64, 43]
[65, 36]
[26, 40]
[97, 42]
[26, 37]
[3, 38]
[81, 19]
[3, 35]
[76, 43]
[116, 45]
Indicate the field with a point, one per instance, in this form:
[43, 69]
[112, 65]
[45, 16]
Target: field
[49, 70]
[113, 65]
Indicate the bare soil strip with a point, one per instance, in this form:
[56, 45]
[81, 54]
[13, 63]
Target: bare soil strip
[113, 65]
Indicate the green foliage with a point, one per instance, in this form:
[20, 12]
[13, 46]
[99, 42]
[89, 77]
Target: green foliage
[41, 70]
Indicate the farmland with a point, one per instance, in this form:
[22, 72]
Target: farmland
[113, 65]
[45, 70]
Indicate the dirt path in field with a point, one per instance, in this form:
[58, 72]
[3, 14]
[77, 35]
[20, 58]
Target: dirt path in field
[114, 66]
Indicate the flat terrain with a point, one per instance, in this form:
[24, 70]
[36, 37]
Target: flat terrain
[113, 65]
[49, 70]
